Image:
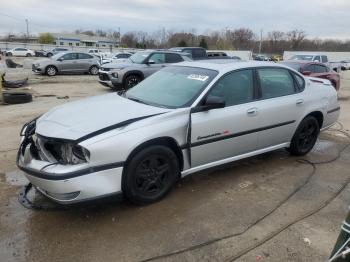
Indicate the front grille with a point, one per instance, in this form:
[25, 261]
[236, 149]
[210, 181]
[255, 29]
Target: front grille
[103, 77]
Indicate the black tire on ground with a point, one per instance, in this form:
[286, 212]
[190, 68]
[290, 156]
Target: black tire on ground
[17, 98]
[150, 175]
[305, 136]
[51, 71]
[131, 81]
[28, 55]
[49, 54]
[93, 70]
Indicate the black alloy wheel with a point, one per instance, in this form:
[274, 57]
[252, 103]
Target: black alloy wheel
[150, 175]
[132, 81]
[305, 137]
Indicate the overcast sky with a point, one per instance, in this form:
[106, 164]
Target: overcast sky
[319, 18]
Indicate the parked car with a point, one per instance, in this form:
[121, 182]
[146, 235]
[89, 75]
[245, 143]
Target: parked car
[121, 76]
[195, 53]
[98, 53]
[221, 55]
[20, 51]
[4, 50]
[116, 58]
[262, 58]
[40, 53]
[67, 62]
[56, 51]
[183, 119]
[315, 69]
[311, 57]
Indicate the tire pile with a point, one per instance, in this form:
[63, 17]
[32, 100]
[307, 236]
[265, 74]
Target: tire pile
[15, 97]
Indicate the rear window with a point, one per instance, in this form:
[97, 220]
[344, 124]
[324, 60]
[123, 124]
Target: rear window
[173, 58]
[324, 59]
[295, 66]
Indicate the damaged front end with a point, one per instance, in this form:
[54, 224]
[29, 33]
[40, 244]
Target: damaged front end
[52, 150]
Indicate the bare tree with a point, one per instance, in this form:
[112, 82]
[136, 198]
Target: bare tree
[295, 38]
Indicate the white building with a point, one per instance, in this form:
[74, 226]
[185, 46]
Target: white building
[80, 40]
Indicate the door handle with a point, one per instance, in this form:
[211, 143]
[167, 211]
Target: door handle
[299, 101]
[252, 111]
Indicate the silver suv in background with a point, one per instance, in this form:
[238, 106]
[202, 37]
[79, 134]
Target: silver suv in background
[121, 76]
[68, 62]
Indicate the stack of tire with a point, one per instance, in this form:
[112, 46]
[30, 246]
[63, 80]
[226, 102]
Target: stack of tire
[16, 97]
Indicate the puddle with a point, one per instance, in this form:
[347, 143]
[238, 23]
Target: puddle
[16, 178]
[324, 146]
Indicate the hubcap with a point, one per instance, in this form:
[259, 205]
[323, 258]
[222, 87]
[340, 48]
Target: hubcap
[152, 175]
[51, 71]
[307, 136]
[94, 70]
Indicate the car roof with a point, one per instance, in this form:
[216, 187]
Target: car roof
[223, 65]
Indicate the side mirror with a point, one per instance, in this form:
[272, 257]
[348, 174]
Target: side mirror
[306, 73]
[150, 62]
[60, 59]
[213, 102]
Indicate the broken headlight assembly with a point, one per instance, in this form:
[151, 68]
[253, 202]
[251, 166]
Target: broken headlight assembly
[67, 153]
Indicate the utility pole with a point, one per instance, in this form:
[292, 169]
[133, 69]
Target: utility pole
[119, 37]
[261, 33]
[27, 29]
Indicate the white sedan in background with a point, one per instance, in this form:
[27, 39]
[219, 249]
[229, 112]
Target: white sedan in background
[116, 58]
[20, 51]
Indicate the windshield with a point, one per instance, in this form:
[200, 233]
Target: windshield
[295, 66]
[302, 57]
[139, 57]
[172, 87]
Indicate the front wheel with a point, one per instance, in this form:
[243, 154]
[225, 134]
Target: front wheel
[28, 55]
[51, 71]
[305, 136]
[150, 175]
[131, 81]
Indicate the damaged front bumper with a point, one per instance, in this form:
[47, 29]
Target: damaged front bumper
[67, 183]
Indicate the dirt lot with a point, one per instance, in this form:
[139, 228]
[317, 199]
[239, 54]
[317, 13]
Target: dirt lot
[266, 208]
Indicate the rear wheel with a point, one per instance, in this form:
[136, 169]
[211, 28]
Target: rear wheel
[150, 175]
[51, 71]
[305, 136]
[131, 81]
[28, 55]
[93, 70]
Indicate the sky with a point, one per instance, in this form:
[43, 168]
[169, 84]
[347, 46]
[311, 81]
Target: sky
[318, 18]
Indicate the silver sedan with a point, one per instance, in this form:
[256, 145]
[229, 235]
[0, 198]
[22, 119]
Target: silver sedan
[183, 119]
[67, 62]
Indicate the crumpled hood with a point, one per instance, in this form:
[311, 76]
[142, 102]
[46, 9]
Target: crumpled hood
[80, 119]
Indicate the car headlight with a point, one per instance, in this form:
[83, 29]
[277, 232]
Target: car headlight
[115, 75]
[37, 64]
[74, 154]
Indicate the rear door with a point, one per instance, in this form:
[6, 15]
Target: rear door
[84, 62]
[222, 133]
[280, 108]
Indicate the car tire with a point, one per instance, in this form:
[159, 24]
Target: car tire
[305, 136]
[49, 54]
[131, 81]
[17, 98]
[28, 55]
[93, 70]
[9, 54]
[51, 71]
[150, 175]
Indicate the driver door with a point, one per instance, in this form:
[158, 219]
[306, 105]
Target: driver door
[69, 62]
[155, 62]
[226, 132]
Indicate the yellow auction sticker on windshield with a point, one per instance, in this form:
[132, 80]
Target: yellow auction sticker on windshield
[198, 77]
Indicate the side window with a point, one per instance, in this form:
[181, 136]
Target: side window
[320, 69]
[199, 53]
[275, 82]
[84, 56]
[235, 88]
[122, 56]
[317, 58]
[157, 58]
[324, 59]
[310, 68]
[70, 56]
[300, 81]
[173, 58]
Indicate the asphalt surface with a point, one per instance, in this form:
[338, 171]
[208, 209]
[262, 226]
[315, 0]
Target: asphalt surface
[272, 207]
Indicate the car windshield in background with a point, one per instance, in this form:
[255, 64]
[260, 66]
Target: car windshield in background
[139, 57]
[295, 66]
[172, 87]
[302, 57]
